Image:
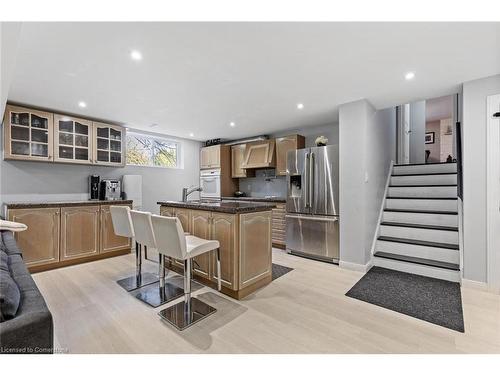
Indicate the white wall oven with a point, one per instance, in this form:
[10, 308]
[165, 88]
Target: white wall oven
[210, 184]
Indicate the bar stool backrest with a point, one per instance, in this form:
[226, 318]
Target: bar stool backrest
[122, 223]
[142, 228]
[170, 237]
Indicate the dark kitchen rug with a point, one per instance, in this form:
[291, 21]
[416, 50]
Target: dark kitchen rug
[279, 270]
[433, 300]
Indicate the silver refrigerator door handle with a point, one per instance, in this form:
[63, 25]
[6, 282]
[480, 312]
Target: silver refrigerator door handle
[311, 179]
[306, 180]
[313, 218]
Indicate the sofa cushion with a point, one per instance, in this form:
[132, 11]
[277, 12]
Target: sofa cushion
[10, 296]
[9, 243]
[4, 261]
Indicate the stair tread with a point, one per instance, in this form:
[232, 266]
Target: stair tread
[433, 198]
[439, 185]
[420, 226]
[409, 241]
[423, 174]
[421, 211]
[422, 261]
[409, 165]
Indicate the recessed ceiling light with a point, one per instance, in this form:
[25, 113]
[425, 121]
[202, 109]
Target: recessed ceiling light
[191, 134]
[409, 76]
[300, 106]
[82, 104]
[232, 124]
[136, 55]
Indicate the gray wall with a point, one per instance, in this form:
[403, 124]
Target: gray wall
[261, 186]
[39, 181]
[474, 174]
[367, 140]
[417, 136]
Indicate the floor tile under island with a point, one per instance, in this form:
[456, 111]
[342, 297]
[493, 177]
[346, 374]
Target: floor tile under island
[243, 230]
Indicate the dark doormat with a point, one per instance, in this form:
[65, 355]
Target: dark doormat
[433, 300]
[279, 270]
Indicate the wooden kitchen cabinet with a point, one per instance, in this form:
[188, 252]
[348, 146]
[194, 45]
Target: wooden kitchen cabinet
[28, 134]
[237, 160]
[210, 157]
[245, 248]
[72, 140]
[279, 225]
[109, 144]
[201, 222]
[60, 235]
[225, 230]
[79, 232]
[260, 154]
[254, 230]
[40, 242]
[108, 240]
[283, 145]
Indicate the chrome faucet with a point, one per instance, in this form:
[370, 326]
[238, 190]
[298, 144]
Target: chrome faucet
[189, 190]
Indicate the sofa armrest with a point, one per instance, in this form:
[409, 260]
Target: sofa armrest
[31, 333]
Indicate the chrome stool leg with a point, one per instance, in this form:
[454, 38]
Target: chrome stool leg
[189, 311]
[140, 279]
[160, 293]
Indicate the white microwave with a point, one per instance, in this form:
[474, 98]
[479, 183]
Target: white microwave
[210, 184]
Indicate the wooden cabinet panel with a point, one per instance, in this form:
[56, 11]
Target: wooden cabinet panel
[260, 154]
[28, 134]
[279, 225]
[40, 242]
[167, 211]
[210, 157]
[73, 140]
[255, 229]
[237, 155]
[109, 241]
[224, 230]
[200, 227]
[79, 232]
[109, 144]
[283, 145]
[184, 216]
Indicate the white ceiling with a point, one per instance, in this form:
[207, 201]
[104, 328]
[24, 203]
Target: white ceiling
[198, 77]
[439, 108]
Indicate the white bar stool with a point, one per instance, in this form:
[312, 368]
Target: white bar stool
[171, 241]
[122, 226]
[156, 294]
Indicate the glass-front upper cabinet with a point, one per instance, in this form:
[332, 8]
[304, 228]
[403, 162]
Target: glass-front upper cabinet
[109, 144]
[27, 134]
[72, 139]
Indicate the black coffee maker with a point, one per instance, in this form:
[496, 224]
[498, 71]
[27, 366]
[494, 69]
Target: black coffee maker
[94, 181]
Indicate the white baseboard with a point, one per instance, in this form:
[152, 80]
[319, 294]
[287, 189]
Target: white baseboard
[479, 285]
[355, 266]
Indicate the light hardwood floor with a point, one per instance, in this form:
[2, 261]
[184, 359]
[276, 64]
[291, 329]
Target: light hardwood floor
[304, 311]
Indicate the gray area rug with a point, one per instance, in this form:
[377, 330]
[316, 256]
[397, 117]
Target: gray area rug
[433, 300]
[279, 270]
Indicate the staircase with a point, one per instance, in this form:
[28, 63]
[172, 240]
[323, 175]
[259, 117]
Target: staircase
[418, 231]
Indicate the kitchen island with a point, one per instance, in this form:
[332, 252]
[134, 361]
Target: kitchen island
[243, 230]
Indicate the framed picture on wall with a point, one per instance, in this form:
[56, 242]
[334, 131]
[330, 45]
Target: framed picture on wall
[429, 137]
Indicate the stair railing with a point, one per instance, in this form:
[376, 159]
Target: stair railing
[382, 207]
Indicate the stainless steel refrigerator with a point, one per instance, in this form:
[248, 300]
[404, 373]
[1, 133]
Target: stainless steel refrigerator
[312, 218]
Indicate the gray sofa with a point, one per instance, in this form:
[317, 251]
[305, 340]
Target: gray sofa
[29, 329]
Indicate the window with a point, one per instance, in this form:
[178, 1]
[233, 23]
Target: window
[152, 151]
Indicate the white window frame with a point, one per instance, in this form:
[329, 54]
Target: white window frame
[178, 143]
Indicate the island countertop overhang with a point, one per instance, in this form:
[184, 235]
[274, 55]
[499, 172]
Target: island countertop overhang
[221, 206]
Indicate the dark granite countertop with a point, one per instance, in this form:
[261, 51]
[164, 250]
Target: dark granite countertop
[13, 205]
[221, 206]
[257, 199]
